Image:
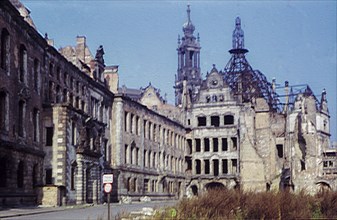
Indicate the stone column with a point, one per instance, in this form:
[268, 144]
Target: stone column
[220, 144]
[220, 167]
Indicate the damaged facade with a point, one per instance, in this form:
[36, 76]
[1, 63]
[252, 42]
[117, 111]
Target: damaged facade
[64, 122]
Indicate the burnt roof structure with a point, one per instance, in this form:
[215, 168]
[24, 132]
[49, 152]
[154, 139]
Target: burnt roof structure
[243, 80]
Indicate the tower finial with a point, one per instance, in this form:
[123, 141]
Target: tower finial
[238, 35]
[188, 13]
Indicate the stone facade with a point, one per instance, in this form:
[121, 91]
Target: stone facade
[55, 118]
[147, 153]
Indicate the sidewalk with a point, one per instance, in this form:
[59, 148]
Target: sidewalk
[31, 210]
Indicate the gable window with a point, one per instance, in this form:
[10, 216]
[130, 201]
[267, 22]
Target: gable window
[202, 121]
[5, 54]
[229, 119]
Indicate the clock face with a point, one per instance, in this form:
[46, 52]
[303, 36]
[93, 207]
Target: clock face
[214, 82]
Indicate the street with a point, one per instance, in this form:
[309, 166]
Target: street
[94, 212]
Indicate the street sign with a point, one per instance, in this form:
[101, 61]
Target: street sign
[107, 178]
[107, 187]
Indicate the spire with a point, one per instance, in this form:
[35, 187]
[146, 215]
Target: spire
[188, 13]
[188, 27]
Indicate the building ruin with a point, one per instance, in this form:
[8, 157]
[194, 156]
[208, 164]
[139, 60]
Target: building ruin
[65, 122]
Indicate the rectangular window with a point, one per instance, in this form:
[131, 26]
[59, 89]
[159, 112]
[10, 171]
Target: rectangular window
[206, 166]
[215, 121]
[49, 136]
[198, 166]
[235, 143]
[279, 148]
[206, 142]
[35, 124]
[215, 145]
[234, 166]
[189, 146]
[21, 118]
[197, 145]
[224, 144]
[201, 121]
[225, 166]
[49, 176]
[72, 178]
[3, 111]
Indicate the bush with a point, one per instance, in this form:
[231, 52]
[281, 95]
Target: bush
[233, 204]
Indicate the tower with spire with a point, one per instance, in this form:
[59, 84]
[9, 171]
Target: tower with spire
[188, 64]
[245, 82]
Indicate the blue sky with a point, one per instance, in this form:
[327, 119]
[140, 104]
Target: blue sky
[288, 40]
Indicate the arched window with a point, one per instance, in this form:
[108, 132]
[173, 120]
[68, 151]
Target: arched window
[5, 52]
[23, 59]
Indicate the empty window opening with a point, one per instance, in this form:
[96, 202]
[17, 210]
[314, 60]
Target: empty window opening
[23, 63]
[21, 118]
[72, 177]
[4, 50]
[35, 124]
[49, 136]
[3, 172]
[202, 121]
[234, 143]
[189, 146]
[197, 166]
[3, 111]
[206, 141]
[215, 121]
[49, 176]
[125, 121]
[234, 166]
[189, 164]
[215, 145]
[216, 167]
[197, 145]
[188, 121]
[224, 144]
[225, 166]
[229, 119]
[20, 175]
[279, 148]
[206, 166]
[36, 75]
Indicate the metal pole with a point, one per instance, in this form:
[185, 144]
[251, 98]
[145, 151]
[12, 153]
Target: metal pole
[108, 206]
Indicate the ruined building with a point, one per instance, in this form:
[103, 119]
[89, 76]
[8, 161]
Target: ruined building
[64, 121]
[54, 119]
[241, 132]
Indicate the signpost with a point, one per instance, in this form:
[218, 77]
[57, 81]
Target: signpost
[107, 186]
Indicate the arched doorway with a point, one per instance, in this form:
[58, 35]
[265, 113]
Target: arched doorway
[194, 189]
